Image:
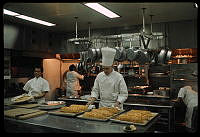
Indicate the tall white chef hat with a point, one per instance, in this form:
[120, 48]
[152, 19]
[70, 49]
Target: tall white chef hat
[108, 55]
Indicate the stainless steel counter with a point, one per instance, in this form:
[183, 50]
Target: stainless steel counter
[165, 108]
[50, 123]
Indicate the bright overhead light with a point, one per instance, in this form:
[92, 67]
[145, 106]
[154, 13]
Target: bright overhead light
[195, 5]
[35, 20]
[99, 8]
[7, 12]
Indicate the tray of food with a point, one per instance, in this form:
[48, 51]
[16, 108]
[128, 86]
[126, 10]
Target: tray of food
[136, 117]
[52, 105]
[72, 110]
[101, 114]
[21, 98]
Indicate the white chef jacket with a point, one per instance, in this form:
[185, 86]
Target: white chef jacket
[110, 88]
[35, 86]
[190, 98]
[73, 81]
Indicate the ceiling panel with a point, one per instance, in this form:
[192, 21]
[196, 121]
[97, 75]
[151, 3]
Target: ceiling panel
[63, 14]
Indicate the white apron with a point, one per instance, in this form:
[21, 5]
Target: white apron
[108, 96]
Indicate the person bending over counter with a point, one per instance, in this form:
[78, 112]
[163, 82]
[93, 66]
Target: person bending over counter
[189, 95]
[109, 84]
[37, 86]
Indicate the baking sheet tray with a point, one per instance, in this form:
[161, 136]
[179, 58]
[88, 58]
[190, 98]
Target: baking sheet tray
[47, 107]
[24, 105]
[97, 119]
[23, 113]
[127, 122]
[59, 113]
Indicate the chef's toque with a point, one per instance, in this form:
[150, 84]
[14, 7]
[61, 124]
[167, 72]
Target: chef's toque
[108, 55]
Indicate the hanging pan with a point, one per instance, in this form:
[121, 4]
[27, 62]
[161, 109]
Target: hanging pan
[161, 56]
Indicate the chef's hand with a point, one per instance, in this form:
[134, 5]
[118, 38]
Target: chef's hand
[91, 101]
[39, 95]
[117, 104]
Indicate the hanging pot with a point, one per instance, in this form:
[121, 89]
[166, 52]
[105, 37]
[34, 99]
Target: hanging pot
[161, 56]
[78, 67]
[118, 53]
[92, 54]
[131, 54]
[123, 55]
[99, 55]
[141, 57]
[168, 56]
[154, 58]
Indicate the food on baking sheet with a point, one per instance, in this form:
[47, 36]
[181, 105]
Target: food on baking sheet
[24, 98]
[110, 109]
[101, 113]
[74, 109]
[21, 98]
[136, 116]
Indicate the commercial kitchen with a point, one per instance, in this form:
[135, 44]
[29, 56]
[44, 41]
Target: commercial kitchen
[156, 53]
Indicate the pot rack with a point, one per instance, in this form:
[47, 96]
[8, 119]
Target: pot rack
[143, 37]
[80, 41]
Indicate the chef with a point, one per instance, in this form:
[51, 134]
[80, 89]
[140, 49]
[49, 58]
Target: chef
[73, 87]
[37, 86]
[188, 94]
[109, 85]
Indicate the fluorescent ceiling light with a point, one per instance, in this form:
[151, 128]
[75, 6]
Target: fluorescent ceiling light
[7, 12]
[35, 20]
[99, 8]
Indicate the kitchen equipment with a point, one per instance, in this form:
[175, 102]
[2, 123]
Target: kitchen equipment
[123, 55]
[25, 105]
[98, 54]
[154, 58]
[161, 92]
[59, 113]
[142, 56]
[118, 53]
[23, 113]
[149, 93]
[92, 54]
[161, 56]
[131, 54]
[168, 56]
[145, 122]
[129, 128]
[98, 119]
[21, 98]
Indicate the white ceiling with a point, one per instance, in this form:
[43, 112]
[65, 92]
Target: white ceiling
[63, 14]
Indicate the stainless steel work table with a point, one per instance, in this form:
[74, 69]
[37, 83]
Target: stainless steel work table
[50, 123]
[157, 106]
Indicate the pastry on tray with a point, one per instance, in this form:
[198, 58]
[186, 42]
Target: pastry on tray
[136, 116]
[74, 109]
[101, 113]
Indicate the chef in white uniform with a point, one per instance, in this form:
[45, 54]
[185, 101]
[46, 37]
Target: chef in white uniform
[37, 86]
[189, 95]
[109, 85]
[73, 87]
